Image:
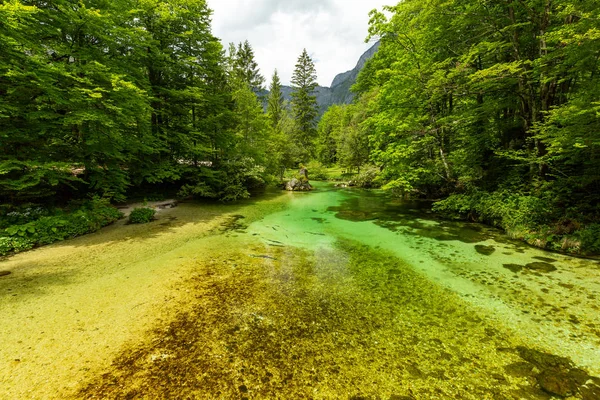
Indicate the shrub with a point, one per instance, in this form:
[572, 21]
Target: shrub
[11, 215]
[233, 180]
[141, 215]
[368, 178]
[526, 217]
[503, 209]
[14, 244]
[590, 238]
[89, 217]
[316, 171]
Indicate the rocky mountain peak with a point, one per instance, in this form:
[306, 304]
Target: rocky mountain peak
[339, 92]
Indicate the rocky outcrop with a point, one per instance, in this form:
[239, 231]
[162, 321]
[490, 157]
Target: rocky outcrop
[298, 185]
[340, 87]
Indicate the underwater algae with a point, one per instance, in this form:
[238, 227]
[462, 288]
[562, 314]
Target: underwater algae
[347, 322]
[286, 297]
[68, 309]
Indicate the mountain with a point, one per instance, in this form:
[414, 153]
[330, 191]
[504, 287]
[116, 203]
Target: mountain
[339, 92]
[340, 87]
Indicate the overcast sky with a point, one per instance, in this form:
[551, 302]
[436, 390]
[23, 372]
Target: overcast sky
[332, 31]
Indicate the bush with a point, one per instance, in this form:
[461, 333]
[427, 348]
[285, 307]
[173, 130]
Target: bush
[525, 217]
[141, 215]
[89, 217]
[316, 171]
[368, 178]
[11, 215]
[229, 181]
[590, 238]
[503, 209]
[14, 244]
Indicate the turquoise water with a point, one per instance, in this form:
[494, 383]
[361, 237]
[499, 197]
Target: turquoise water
[353, 294]
[350, 294]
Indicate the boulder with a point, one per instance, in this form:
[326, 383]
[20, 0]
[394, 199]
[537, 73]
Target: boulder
[297, 185]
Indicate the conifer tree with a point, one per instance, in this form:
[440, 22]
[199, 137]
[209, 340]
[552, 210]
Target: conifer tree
[275, 101]
[304, 103]
[247, 67]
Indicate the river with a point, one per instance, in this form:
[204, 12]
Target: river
[333, 294]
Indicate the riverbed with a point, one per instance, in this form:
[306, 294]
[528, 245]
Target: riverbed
[337, 293]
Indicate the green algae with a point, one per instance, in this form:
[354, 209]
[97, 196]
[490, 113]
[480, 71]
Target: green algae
[68, 309]
[332, 294]
[339, 323]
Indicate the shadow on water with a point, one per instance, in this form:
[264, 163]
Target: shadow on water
[409, 217]
[16, 286]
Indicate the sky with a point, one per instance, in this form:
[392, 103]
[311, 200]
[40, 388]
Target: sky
[332, 31]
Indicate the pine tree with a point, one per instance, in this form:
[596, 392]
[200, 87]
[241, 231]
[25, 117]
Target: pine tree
[304, 103]
[247, 67]
[275, 101]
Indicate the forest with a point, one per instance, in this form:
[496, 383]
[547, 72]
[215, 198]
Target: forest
[492, 108]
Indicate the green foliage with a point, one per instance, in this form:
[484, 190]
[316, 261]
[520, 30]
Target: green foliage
[368, 178]
[329, 130]
[304, 105]
[343, 135]
[275, 102]
[238, 178]
[497, 105]
[233, 181]
[589, 236]
[506, 209]
[244, 67]
[142, 215]
[317, 171]
[464, 99]
[45, 229]
[20, 215]
[129, 92]
[14, 244]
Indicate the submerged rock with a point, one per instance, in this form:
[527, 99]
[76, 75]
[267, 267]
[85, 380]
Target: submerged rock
[541, 266]
[590, 392]
[485, 250]
[557, 383]
[558, 376]
[516, 268]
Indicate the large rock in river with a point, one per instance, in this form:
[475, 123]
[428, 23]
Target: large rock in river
[297, 185]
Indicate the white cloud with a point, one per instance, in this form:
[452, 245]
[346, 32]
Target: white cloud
[332, 31]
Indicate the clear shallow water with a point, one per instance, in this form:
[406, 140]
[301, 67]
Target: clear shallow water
[351, 294]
